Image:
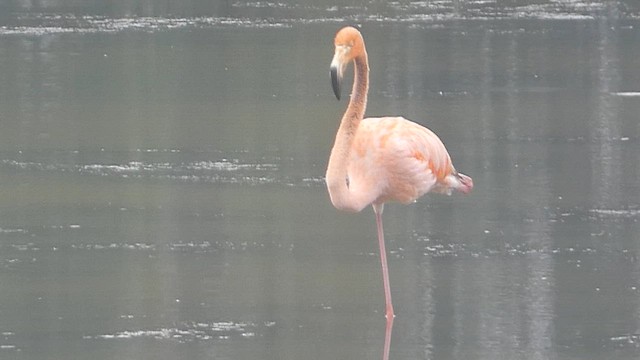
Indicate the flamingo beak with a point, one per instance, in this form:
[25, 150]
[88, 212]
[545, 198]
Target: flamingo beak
[337, 69]
[336, 80]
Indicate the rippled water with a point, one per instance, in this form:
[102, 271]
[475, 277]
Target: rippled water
[224, 170]
[162, 170]
[47, 17]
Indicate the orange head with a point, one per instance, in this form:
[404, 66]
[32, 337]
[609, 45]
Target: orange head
[349, 45]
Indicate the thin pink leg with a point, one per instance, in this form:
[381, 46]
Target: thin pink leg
[387, 338]
[377, 208]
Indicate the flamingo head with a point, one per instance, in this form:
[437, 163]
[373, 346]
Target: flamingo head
[348, 46]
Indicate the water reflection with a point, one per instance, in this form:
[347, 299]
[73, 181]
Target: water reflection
[606, 158]
[62, 16]
[388, 330]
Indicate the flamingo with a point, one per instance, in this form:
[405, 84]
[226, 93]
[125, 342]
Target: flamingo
[376, 160]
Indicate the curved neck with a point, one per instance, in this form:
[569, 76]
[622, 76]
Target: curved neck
[358, 101]
[337, 175]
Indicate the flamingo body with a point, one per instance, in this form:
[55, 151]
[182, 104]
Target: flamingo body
[376, 160]
[394, 159]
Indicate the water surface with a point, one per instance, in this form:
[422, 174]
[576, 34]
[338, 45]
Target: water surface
[162, 171]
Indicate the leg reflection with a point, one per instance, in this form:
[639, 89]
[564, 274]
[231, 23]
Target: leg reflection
[387, 338]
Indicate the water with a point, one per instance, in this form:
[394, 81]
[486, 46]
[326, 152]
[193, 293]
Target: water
[163, 195]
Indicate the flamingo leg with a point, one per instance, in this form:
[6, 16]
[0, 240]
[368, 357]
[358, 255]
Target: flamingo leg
[377, 208]
[387, 338]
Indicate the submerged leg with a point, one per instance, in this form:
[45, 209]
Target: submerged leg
[377, 208]
[387, 338]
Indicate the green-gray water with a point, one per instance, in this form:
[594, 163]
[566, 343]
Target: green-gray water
[162, 191]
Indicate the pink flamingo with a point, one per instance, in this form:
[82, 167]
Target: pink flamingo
[375, 160]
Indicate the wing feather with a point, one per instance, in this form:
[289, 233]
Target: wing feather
[396, 159]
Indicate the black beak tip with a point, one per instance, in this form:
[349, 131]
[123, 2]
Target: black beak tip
[335, 82]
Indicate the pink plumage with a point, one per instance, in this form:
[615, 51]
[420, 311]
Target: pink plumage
[376, 160]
